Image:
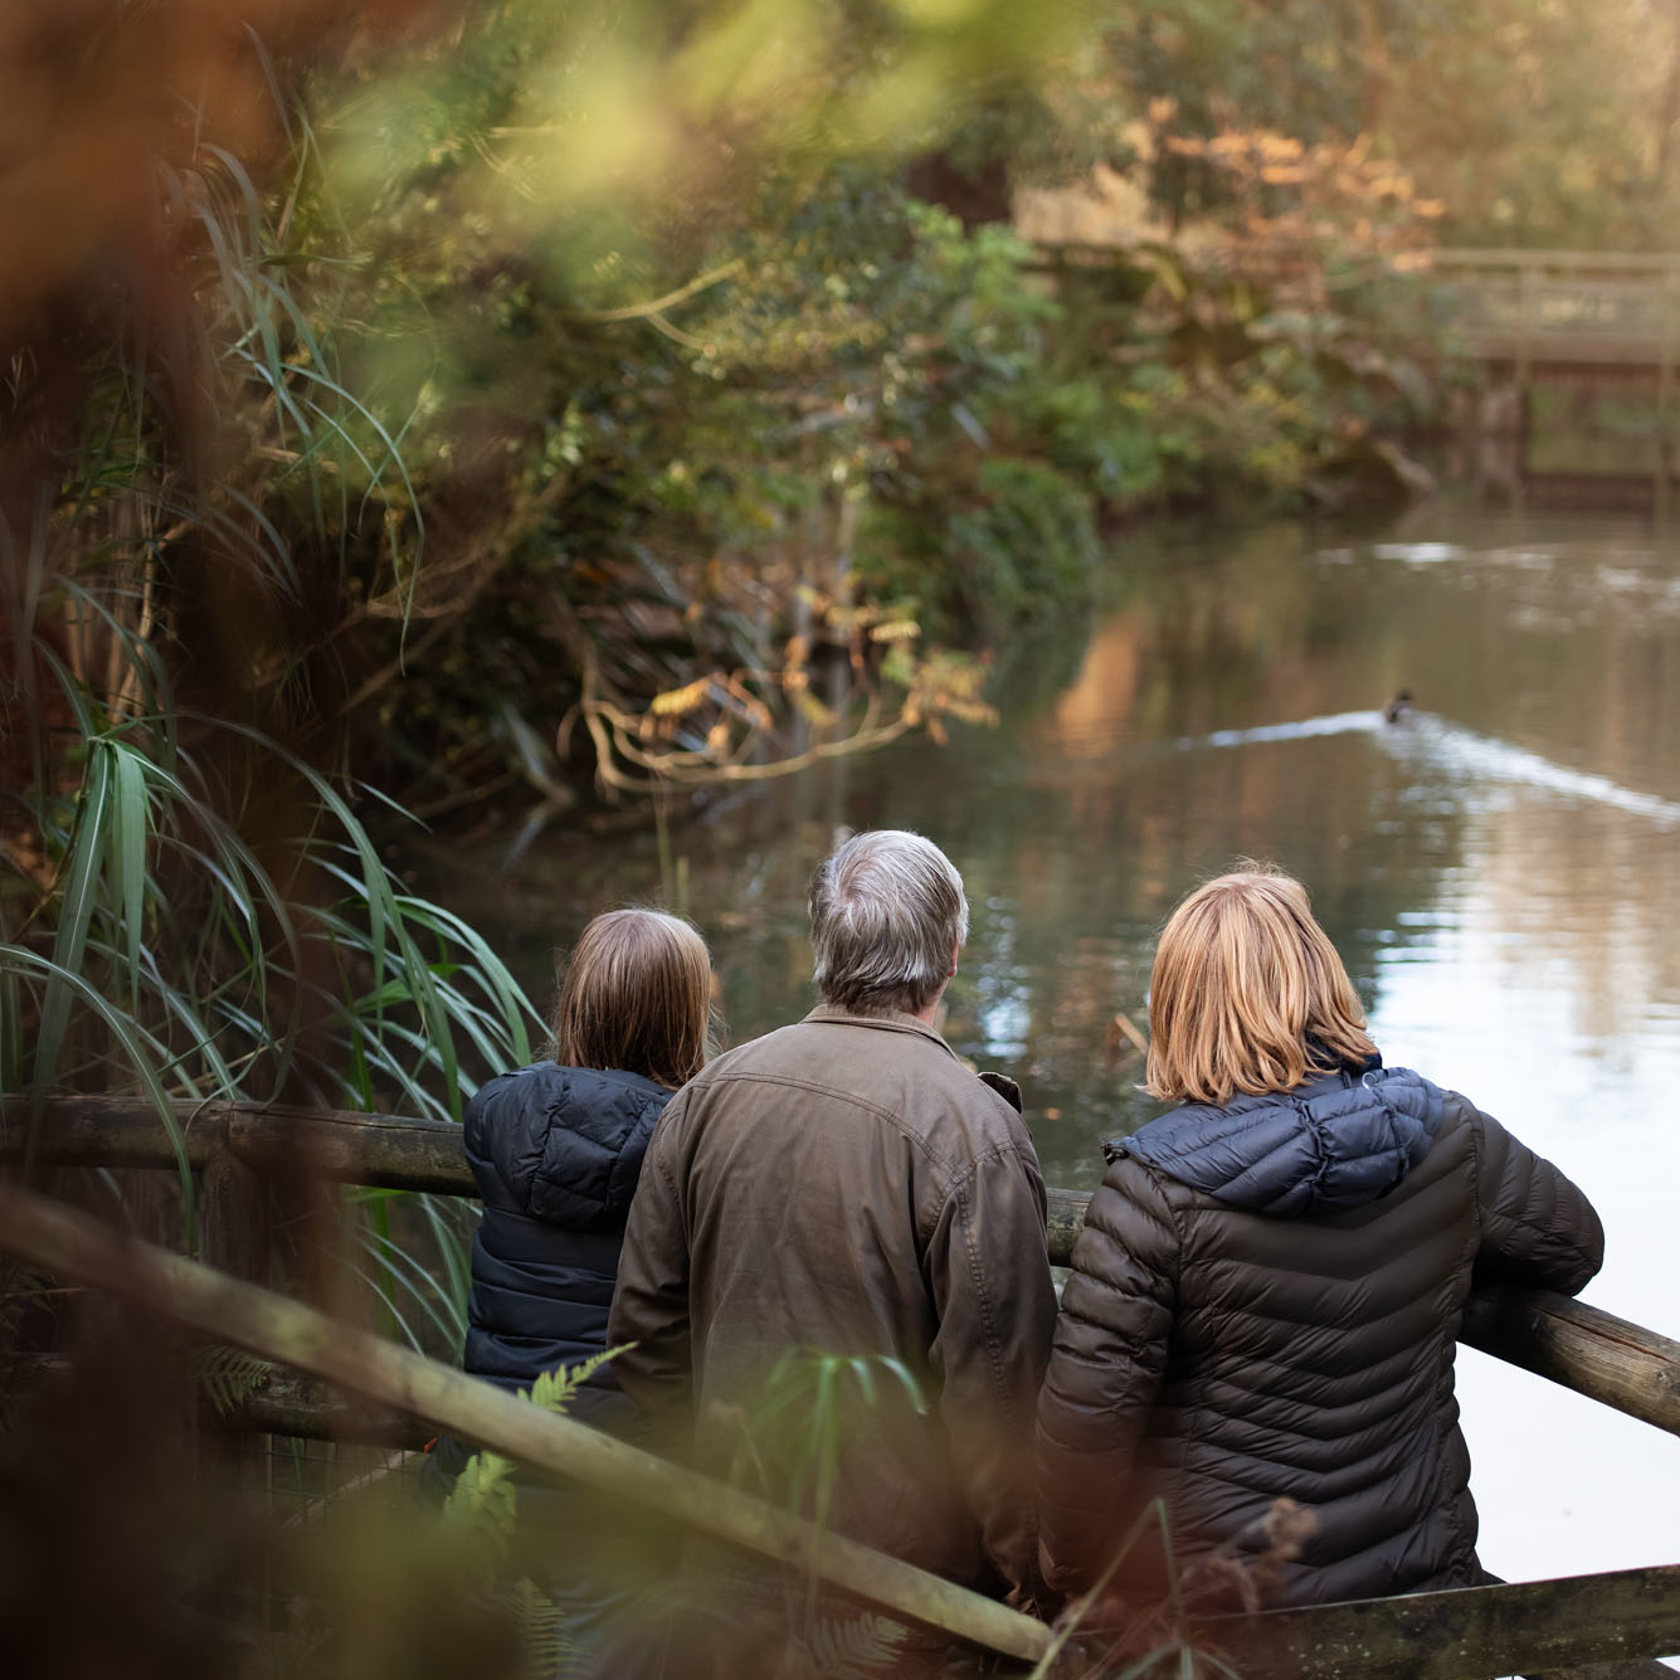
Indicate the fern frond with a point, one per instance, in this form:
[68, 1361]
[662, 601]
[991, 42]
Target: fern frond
[853, 1647]
[543, 1635]
[21, 1286]
[484, 1505]
[485, 1498]
[555, 1390]
[229, 1376]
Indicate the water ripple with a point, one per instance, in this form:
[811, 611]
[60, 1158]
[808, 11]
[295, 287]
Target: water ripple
[1459, 753]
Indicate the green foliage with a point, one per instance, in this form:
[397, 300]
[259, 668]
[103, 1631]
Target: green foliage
[422, 1271]
[1507, 123]
[1019, 546]
[189, 907]
[228, 1376]
[543, 1639]
[790, 1447]
[484, 1501]
[229, 986]
[1497, 107]
[483, 1509]
[565, 361]
[1030, 549]
[852, 1647]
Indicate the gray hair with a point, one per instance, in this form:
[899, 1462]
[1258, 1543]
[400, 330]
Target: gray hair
[887, 910]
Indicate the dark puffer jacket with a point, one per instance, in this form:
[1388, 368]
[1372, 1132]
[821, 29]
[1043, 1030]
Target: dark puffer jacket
[557, 1152]
[1265, 1302]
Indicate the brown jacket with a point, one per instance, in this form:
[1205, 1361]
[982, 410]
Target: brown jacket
[846, 1187]
[1265, 1303]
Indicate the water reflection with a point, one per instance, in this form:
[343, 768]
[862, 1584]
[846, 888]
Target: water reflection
[1501, 875]
[1433, 744]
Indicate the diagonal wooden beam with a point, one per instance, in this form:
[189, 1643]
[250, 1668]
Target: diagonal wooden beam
[74, 1247]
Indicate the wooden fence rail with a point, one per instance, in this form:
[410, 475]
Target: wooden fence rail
[1580, 1347]
[1468, 1634]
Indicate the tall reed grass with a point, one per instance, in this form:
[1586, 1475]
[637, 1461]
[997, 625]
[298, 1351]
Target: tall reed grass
[192, 905]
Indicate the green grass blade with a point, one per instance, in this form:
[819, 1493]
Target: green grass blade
[128, 836]
[404, 1269]
[81, 888]
[516, 1011]
[72, 985]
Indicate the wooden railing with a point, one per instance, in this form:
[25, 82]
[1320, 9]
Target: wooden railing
[1469, 1634]
[1577, 1346]
[1556, 308]
[1528, 309]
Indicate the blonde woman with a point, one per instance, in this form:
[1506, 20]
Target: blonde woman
[1266, 1296]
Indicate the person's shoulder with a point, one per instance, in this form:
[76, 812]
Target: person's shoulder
[967, 1115]
[503, 1096]
[1440, 1108]
[773, 1056]
[1462, 1116]
[605, 1101]
[779, 1048]
[835, 1052]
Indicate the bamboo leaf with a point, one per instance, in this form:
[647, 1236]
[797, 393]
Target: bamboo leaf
[74, 986]
[75, 913]
[128, 845]
[229, 1376]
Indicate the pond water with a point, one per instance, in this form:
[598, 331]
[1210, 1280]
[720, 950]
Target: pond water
[1502, 876]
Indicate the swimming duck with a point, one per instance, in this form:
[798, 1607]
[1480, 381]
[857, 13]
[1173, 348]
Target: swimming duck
[1399, 709]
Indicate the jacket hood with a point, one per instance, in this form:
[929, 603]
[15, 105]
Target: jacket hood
[562, 1144]
[1339, 1141]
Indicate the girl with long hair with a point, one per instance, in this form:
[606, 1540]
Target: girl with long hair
[557, 1151]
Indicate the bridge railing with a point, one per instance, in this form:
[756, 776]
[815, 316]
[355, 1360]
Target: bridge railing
[1556, 307]
[1526, 308]
[234, 1146]
[1620, 1619]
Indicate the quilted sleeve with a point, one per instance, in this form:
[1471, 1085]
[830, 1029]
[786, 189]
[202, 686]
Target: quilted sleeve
[500, 1131]
[1537, 1228]
[1106, 1367]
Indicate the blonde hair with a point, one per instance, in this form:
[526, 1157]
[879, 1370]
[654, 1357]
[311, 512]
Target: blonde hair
[637, 996]
[1248, 994]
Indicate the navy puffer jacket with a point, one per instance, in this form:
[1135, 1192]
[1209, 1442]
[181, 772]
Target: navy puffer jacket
[1265, 1303]
[557, 1152]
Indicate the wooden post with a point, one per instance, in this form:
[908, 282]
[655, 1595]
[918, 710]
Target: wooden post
[233, 1220]
[1524, 371]
[233, 1237]
[1665, 392]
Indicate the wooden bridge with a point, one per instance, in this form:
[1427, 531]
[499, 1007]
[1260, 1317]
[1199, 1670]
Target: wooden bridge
[1578, 350]
[1527, 310]
[1556, 309]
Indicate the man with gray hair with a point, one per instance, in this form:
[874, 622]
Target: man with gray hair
[845, 1189]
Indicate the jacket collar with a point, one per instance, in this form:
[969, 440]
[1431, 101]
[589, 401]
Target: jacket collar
[889, 1020]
